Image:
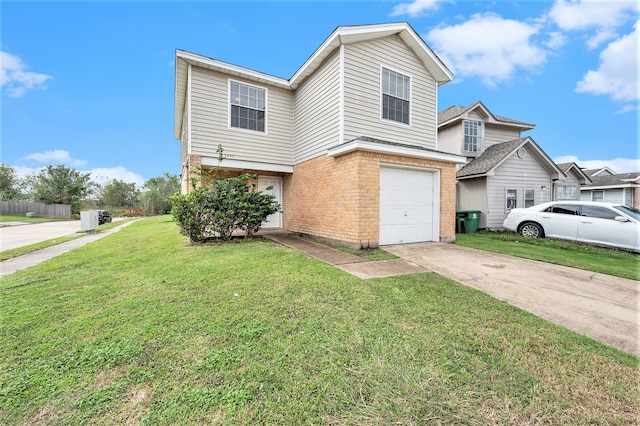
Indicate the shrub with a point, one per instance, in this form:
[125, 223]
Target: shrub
[218, 210]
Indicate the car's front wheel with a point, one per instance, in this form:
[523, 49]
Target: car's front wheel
[531, 229]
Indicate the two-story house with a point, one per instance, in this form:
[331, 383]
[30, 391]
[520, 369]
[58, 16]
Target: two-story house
[504, 169]
[349, 142]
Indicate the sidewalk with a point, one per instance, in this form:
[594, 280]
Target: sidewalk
[10, 266]
[355, 265]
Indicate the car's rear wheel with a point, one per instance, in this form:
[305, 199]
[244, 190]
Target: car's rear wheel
[531, 229]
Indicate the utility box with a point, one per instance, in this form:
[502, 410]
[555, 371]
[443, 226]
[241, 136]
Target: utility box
[89, 220]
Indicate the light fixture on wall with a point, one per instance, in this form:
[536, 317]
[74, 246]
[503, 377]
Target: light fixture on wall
[543, 188]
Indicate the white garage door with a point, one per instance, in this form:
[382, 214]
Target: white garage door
[408, 202]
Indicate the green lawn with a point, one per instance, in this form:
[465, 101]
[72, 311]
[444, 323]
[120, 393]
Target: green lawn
[23, 218]
[139, 327]
[20, 251]
[606, 261]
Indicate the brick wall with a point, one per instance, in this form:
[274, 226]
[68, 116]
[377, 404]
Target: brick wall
[337, 199]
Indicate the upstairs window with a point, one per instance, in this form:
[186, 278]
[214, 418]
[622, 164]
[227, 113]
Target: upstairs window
[472, 136]
[248, 106]
[396, 96]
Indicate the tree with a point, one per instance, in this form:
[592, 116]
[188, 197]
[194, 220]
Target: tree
[118, 193]
[10, 185]
[61, 185]
[156, 193]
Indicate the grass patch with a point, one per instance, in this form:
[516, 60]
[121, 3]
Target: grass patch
[591, 258]
[139, 327]
[369, 254]
[20, 251]
[17, 218]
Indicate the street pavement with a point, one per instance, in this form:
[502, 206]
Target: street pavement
[27, 233]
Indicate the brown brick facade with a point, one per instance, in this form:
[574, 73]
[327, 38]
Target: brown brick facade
[338, 198]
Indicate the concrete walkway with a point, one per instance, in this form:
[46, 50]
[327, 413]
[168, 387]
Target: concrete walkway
[10, 266]
[602, 307]
[350, 263]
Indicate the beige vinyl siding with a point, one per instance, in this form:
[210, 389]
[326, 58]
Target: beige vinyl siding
[497, 134]
[210, 122]
[317, 111]
[451, 139]
[520, 174]
[184, 141]
[472, 195]
[362, 98]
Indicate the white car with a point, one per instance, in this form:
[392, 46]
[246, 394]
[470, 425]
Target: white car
[604, 224]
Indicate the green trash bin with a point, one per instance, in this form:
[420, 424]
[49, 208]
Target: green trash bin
[467, 221]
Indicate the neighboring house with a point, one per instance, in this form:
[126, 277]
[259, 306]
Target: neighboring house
[349, 143]
[609, 187]
[504, 169]
[569, 188]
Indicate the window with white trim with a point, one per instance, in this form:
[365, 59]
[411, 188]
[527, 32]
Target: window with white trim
[597, 195]
[247, 106]
[566, 192]
[472, 136]
[512, 199]
[529, 198]
[396, 96]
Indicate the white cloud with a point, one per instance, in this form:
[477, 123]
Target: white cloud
[415, 8]
[101, 175]
[105, 175]
[619, 165]
[602, 16]
[556, 40]
[57, 156]
[617, 75]
[488, 46]
[14, 78]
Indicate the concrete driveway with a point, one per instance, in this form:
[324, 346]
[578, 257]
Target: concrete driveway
[602, 307]
[30, 233]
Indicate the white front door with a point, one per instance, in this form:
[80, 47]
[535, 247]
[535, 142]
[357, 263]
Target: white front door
[264, 182]
[408, 206]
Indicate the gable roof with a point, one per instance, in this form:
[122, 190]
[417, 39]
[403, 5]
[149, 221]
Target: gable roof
[341, 36]
[624, 180]
[495, 155]
[574, 168]
[456, 113]
[602, 171]
[359, 33]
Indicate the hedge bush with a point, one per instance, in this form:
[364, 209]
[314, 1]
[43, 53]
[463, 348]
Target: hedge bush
[218, 210]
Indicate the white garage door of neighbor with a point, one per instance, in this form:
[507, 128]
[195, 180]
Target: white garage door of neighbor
[407, 205]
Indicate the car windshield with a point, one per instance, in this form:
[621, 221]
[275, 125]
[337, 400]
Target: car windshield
[629, 211]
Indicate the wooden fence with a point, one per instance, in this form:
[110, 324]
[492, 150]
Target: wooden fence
[40, 209]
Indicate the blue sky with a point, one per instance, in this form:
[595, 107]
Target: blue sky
[91, 84]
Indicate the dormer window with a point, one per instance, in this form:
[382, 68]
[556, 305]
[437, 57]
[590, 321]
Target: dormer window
[472, 136]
